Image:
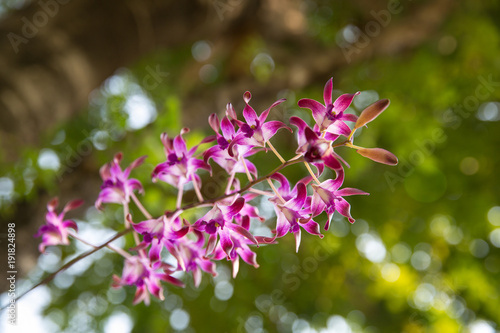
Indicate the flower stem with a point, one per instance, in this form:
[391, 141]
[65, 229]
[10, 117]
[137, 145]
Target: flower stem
[350, 145]
[179, 197]
[126, 212]
[70, 263]
[109, 246]
[246, 169]
[254, 190]
[229, 182]
[312, 173]
[197, 191]
[141, 207]
[243, 189]
[275, 152]
[275, 190]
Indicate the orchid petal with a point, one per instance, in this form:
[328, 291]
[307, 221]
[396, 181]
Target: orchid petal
[318, 109]
[227, 129]
[343, 102]
[347, 191]
[327, 92]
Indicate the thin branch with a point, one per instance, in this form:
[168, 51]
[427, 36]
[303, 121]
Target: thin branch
[71, 263]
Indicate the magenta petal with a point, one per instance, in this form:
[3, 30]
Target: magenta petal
[297, 240]
[179, 145]
[350, 117]
[250, 115]
[226, 243]
[135, 184]
[320, 167]
[351, 191]
[282, 226]
[72, 205]
[172, 280]
[212, 242]
[105, 172]
[248, 256]
[207, 266]
[317, 204]
[230, 113]
[213, 120]
[284, 188]
[51, 206]
[263, 115]
[331, 137]
[299, 123]
[340, 128]
[313, 228]
[271, 127]
[137, 162]
[331, 161]
[153, 227]
[235, 207]
[327, 92]
[266, 240]
[318, 109]
[343, 102]
[227, 128]
[344, 209]
[247, 96]
[70, 224]
[242, 231]
[155, 250]
[298, 202]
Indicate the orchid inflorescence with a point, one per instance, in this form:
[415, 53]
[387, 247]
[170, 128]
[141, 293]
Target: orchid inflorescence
[224, 231]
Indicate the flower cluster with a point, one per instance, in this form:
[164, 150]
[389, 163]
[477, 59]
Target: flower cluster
[224, 231]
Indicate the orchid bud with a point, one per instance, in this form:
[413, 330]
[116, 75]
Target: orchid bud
[371, 112]
[379, 155]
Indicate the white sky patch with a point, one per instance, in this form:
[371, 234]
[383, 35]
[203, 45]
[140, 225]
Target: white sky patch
[118, 322]
[481, 326]
[141, 111]
[48, 160]
[28, 313]
[371, 247]
[201, 50]
[179, 319]
[6, 187]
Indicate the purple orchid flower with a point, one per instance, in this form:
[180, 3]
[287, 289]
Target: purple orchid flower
[181, 165]
[330, 117]
[159, 232]
[55, 231]
[168, 232]
[256, 131]
[240, 249]
[138, 271]
[117, 188]
[230, 156]
[328, 198]
[218, 223]
[293, 213]
[190, 256]
[315, 149]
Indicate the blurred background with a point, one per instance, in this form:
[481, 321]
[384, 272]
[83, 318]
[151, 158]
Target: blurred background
[82, 80]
